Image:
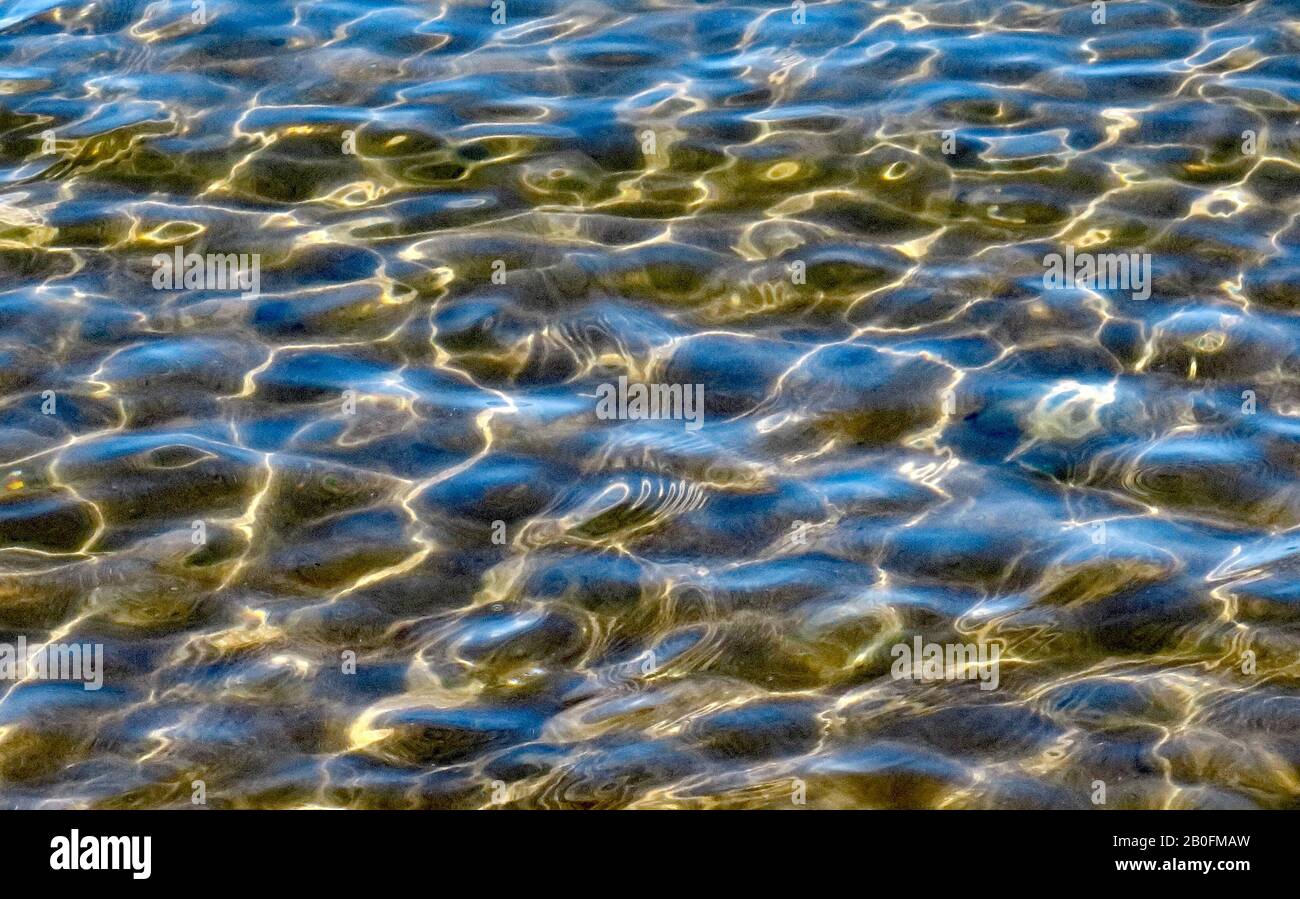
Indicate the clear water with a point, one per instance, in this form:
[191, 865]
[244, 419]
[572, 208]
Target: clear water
[391, 455]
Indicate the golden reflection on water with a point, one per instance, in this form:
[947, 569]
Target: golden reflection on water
[428, 574]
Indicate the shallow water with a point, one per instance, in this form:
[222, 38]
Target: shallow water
[392, 452]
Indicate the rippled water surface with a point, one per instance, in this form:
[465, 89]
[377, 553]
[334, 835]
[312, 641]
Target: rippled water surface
[391, 453]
